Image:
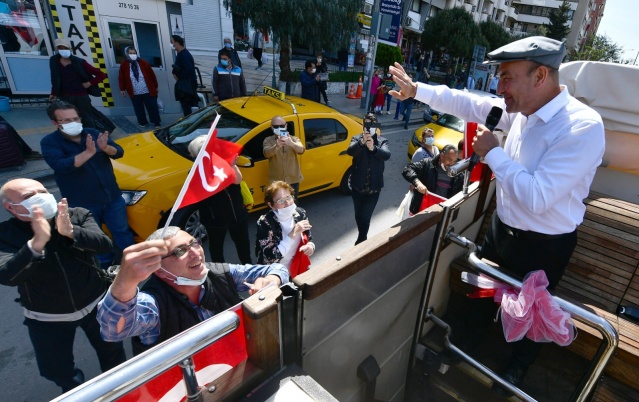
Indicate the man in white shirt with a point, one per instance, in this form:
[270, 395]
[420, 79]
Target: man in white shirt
[544, 172]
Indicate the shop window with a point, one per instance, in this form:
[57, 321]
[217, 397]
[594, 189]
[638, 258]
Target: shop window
[20, 30]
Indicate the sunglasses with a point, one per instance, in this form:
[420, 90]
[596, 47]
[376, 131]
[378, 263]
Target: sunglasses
[279, 126]
[181, 250]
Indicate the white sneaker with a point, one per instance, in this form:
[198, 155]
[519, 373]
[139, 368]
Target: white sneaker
[388, 112]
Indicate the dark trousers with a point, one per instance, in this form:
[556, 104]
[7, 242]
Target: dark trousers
[521, 253]
[187, 105]
[323, 95]
[364, 206]
[53, 345]
[389, 98]
[83, 104]
[151, 103]
[257, 53]
[240, 236]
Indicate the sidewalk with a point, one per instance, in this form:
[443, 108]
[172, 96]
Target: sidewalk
[32, 122]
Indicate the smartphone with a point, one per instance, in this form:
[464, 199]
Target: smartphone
[283, 133]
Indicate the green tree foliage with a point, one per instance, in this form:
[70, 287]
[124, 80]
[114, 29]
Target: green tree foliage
[454, 30]
[387, 55]
[495, 35]
[316, 24]
[557, 29]
[600, 48]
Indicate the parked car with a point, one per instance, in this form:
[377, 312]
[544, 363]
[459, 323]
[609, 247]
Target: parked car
[448, 129]
[155, 164]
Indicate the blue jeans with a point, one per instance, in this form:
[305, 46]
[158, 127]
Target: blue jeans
[389, 98]
[364, 205]
[405, 109]
[53, 346]
[151, 103]
[343, 65]
[113, 215]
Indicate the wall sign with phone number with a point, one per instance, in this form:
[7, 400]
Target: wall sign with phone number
[129, 6]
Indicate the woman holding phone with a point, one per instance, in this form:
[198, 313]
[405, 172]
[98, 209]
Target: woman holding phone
[369, 151]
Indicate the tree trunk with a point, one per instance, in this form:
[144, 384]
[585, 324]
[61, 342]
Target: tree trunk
[285, 60]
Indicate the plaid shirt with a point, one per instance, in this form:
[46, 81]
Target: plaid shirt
[141, 315]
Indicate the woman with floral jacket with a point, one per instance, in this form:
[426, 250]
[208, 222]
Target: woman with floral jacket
[284, 231]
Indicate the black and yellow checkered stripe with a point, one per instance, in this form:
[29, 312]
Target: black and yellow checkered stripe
[93, 37]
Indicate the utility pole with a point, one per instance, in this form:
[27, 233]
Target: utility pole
[370, 56]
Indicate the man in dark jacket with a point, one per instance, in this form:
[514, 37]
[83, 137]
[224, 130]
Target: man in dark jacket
[369, 152]
[310, 81]
[184, 73]
[182, 289]
[235, 58]
[71, 78]
[81, 163]
[431, 175]
[48, 251]
[228, 79]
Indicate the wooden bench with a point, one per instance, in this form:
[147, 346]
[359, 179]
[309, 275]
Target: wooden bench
[603, 273]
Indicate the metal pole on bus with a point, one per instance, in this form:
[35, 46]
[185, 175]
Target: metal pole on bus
[370, 58]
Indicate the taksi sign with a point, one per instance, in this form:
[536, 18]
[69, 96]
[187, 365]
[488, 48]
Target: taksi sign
[274, 93]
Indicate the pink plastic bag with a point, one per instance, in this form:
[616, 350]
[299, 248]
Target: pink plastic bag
[534, 313]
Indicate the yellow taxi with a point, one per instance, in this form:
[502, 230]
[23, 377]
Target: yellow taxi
[155, 164]
[448, 129]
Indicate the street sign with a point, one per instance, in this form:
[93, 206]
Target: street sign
[389, 32]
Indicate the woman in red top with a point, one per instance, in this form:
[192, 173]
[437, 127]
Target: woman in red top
[138, 80]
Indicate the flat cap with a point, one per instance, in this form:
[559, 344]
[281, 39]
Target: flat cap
[540, 49]
[62, 42]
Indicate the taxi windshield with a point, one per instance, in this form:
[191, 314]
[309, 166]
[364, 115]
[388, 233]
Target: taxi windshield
[452, 122]
[231, 127]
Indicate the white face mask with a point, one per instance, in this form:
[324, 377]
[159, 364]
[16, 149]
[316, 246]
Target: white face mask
[430, 141]
[443, 167]
[133, 57]
[182, 281]
[313, 71]
[64, 53]
[286, 213]
[172, 47]
[46, 202]
[74, 128]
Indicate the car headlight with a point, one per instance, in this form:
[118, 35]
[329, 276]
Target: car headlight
[132, 197]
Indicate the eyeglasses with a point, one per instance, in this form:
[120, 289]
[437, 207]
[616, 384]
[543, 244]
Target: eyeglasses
[71, 120]
[279, 126]
[284, 200]
[181, 250]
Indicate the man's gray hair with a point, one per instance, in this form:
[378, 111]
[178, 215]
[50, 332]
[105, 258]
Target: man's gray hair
[171, 231]
[196, 144]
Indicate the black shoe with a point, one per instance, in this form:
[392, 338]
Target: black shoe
[514, 374]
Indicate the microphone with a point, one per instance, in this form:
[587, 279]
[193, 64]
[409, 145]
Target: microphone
[491, 122]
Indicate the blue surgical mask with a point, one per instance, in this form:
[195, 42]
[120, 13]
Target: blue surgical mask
[225, 63]
[64, 53]
[430, 141]
[227, 45]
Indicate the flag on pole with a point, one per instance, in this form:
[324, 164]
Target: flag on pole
[209, 174]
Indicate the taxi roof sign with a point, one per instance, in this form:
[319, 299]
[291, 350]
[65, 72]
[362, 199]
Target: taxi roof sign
[274, 93]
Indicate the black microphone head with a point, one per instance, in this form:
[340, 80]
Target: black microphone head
[493, 117]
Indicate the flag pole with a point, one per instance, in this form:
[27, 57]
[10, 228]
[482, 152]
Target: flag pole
[185, 186]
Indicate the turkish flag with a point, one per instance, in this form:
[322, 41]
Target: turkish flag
[212, 175]
[209, 174]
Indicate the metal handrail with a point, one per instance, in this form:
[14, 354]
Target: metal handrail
[129, 375]
[610, 338]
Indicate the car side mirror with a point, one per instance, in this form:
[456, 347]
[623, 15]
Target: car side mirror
[245, 161]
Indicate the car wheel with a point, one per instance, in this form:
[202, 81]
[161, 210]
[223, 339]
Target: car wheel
[189, 219]
[345, 184]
